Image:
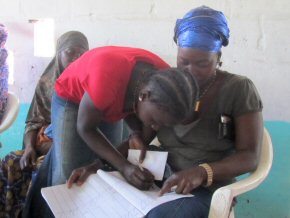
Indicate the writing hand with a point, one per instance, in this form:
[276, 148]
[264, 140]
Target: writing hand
[136, 142]
[140, 178]
[185, 181]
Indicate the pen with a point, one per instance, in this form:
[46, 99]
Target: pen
[139, 165]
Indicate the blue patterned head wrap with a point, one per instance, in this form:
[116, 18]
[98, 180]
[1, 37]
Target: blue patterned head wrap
[202, 28]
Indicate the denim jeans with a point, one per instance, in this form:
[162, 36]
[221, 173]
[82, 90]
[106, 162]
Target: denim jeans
[192, 207]
[69, 151]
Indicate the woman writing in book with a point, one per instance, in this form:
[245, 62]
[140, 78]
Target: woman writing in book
[108, 84]
[223, 139]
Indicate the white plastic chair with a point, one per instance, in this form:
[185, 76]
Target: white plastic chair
[222, 198]
[11, 112]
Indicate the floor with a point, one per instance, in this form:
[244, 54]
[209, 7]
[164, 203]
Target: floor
[270, 200]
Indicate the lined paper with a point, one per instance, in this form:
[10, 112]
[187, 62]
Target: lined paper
[105, 194]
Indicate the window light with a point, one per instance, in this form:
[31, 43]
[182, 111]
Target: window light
[44, 45]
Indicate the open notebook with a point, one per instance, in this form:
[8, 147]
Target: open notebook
[105, 194]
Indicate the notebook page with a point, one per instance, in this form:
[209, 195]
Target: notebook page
[143, 200]
[95, 198]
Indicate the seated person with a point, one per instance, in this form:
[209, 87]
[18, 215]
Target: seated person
[108, 84]
[223, 138]
[16, 168]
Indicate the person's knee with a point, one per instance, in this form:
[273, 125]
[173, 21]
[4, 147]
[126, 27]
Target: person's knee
[185, 207]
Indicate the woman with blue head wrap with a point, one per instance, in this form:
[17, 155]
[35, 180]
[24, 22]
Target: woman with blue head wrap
[222, 139]
[202, 28]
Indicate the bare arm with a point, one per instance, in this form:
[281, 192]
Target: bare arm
[249, 133]
[88, 119]
[140, 136]
[28, 159]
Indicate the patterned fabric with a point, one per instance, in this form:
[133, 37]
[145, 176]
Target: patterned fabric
[4, 72]
[14, 184]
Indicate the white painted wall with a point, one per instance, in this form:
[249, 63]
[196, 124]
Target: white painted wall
[259, 43]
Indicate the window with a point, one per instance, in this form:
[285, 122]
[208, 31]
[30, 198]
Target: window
[44, 45]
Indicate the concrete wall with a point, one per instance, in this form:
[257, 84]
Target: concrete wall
[259, 43]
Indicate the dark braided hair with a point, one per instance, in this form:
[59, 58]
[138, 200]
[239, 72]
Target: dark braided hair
[174, 91]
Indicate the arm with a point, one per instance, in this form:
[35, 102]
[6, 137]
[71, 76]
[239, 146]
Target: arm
[88, 118]
[80, 175]
[28, 159]
[249, 132]
[139, 136]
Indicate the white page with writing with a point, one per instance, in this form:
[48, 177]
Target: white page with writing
[95, 198]
[143, 200]
[154, 161]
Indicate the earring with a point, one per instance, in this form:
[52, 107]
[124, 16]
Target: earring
[143, 96]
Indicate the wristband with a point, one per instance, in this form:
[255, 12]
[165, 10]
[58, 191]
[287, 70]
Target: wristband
[209, 173]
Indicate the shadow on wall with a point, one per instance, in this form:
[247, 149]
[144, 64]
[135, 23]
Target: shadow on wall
[270, 200]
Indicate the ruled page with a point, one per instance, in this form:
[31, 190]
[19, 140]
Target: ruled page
[95, 198]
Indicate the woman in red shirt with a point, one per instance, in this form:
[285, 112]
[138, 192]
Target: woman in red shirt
[108, 84]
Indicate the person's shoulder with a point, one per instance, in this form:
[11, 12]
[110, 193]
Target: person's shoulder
[231, 79]
[238, 84]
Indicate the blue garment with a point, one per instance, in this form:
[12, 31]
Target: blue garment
[202, 28]
[191, 207]
[68, 145]
[48, 131]
[4, 73]
[67, 153]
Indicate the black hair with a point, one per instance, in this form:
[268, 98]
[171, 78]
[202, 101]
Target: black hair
[174, 91]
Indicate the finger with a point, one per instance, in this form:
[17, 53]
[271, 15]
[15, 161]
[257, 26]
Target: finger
[33, 159]
[187, 188]
[83, 177]
[170, 182]
[73, 178]
[22, 163]
[144, 176]
[180, 186]
[142, 185]
[142, 154]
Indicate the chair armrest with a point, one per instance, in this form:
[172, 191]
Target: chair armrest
[11, 112]
[222, 198]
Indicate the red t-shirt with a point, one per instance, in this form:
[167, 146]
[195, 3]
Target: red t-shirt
[104, 74]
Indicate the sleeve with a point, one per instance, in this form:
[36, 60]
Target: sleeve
[103, 79]
[40, 107]
[247, 98]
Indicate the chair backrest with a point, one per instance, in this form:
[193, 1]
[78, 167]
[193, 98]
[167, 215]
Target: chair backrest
[264, 166]
[222, 198]
[11, 112]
